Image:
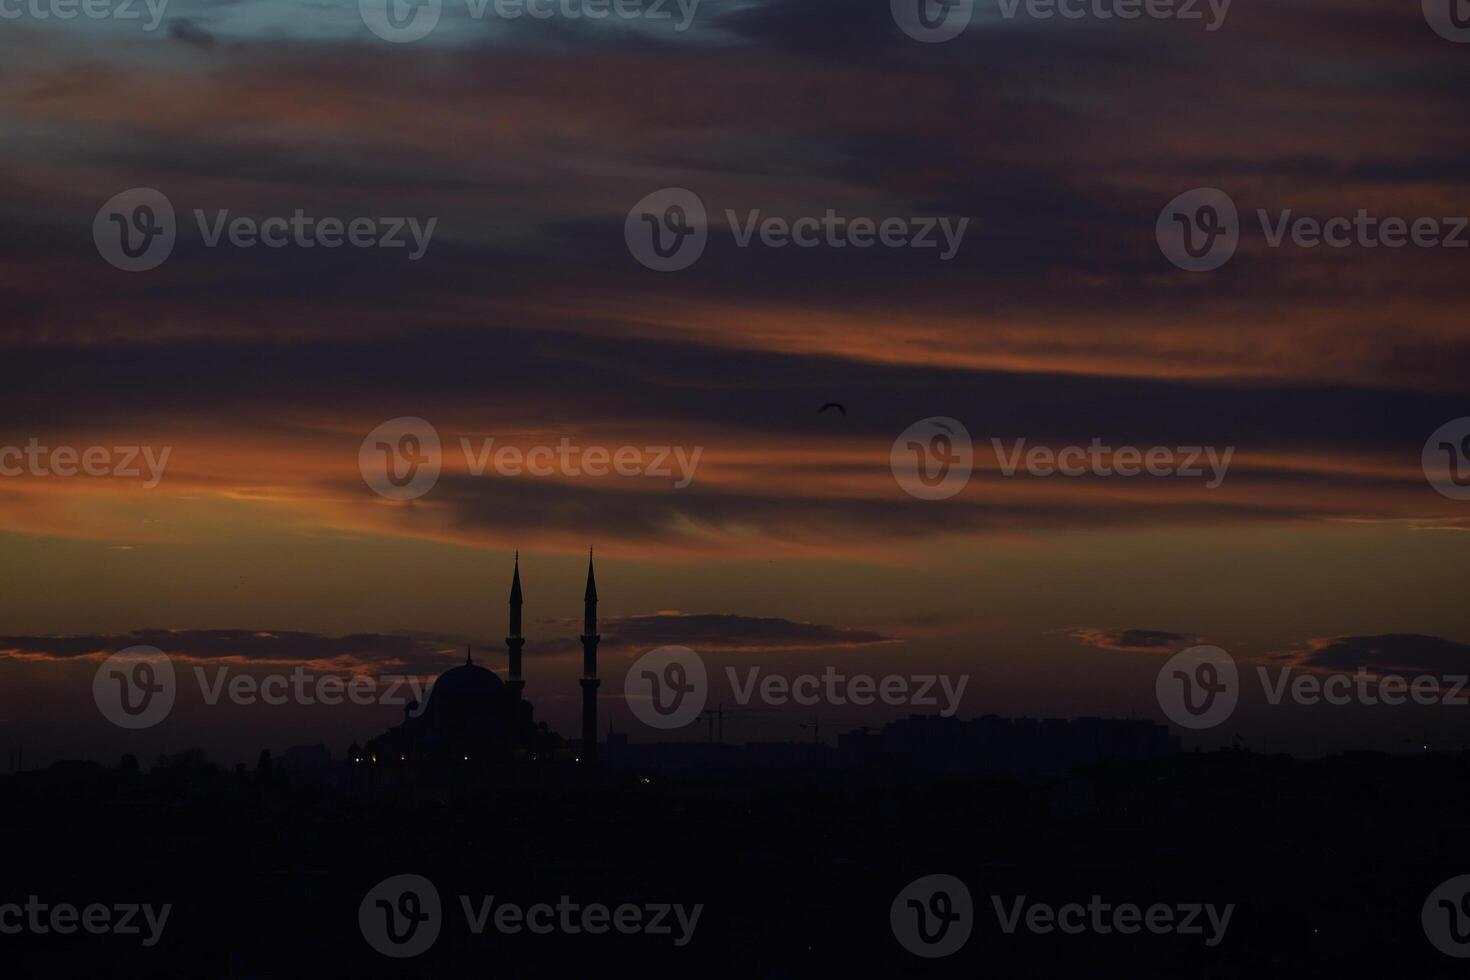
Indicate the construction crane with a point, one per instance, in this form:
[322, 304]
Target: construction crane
[715, 718]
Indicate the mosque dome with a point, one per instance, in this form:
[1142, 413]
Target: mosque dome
[467, 680]
[467, 694]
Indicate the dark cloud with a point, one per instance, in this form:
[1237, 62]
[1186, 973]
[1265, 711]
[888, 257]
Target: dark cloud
[190, 32]
[1134, 640]
[432, 653]
[1387, 653]
[368, 652]
[439, 375]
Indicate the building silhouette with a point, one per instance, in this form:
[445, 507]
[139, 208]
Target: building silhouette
[473, 715]
[589, 681]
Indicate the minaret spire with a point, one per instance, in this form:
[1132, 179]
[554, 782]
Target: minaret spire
[589, 602]
[515, 641]
[589, 680]
[515, 599]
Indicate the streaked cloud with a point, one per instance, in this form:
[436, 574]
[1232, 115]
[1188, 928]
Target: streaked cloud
[1385, 654]
[1134, 640]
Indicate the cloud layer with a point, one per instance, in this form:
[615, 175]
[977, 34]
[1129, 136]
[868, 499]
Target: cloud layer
[528, 319]
[1134, 640]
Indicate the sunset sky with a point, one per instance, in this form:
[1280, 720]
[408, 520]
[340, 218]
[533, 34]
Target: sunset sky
[528, 321]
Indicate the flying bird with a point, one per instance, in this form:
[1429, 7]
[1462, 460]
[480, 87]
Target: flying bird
[840, 408]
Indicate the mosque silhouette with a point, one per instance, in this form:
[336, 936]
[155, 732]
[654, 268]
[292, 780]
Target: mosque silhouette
[473, 716]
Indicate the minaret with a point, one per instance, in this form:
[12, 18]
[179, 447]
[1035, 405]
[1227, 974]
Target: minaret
[589, 667]
[515, 641]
